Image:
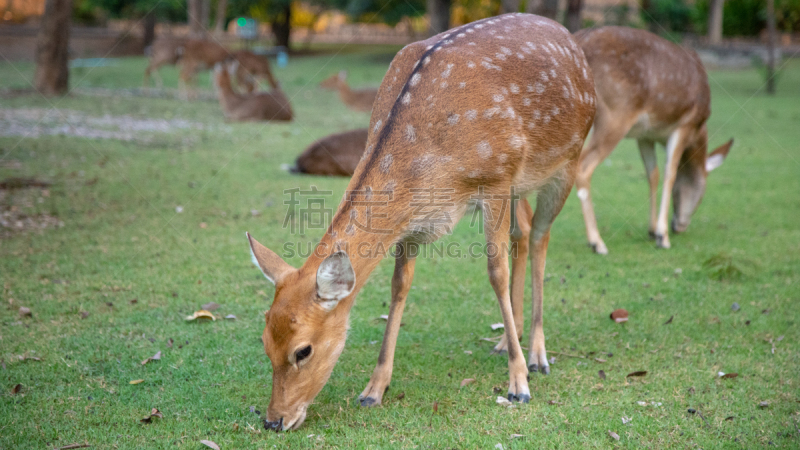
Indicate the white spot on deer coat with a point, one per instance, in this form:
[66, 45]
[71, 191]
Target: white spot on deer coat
[386, 163]
[377, 125]
[407, 98]
[484, 150]
[415, 79]
[497, 98]
[411, 134]
[516, 142]
[453, 119]
[489, 113]
[539, 88]
[514, 88]
[471, 114]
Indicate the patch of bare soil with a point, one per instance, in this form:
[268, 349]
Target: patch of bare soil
[21, 207]
[36, 122]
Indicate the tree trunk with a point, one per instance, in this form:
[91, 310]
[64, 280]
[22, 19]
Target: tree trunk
[205, 14]
[771, 38]
[439, 14]
[52, 49]
[544, 8]
[149, 25]
[509, 6]
[282, 27]
[573, 19]
[715, 21]
[194, 13]
[222, 9]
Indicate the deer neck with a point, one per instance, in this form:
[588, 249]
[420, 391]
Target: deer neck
[227, 97]
[345, 93]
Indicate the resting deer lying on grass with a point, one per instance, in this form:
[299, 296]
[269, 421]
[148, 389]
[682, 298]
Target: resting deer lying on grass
[357, 99]
[273, 105]
[336, 154]
[163, 51]
[653, 91]
[480, 113]
[251, 68]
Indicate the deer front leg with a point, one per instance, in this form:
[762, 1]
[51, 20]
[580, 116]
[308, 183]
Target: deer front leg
[496, 226]
[549, 202]
[648, 151]
[522, 214]
[675, 146]
[401, 284]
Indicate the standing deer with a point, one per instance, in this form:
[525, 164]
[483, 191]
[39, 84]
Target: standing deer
[273, 105]
[196, 55]
[478, 114]
[356, 99]
[253, 67]
[653, 91]
[163, 51]
[336, 154]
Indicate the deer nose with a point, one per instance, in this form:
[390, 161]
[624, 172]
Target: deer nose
[274, 426]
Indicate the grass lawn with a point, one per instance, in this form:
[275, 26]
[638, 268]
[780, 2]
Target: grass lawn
[122, 240]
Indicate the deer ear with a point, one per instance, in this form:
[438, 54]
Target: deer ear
[271, 265]
[717, 157]
[335, 279]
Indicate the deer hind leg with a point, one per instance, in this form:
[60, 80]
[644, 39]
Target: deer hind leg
[605, 137]
[648, 151]
[549, 202]
[496, 226]
[521, 216]
[675, 146]
[185, 77]
[401, 284]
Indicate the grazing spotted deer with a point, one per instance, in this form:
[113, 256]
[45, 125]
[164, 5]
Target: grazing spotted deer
[253, 67]
[273, 105]
[164, 51]
[196, 55]
[653, 91]
[356, 99]
[336, 154]
[478, 114]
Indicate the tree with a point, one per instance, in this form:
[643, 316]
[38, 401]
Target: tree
[715, 21]
[197, 15]
[545, 8]
[219, 20]
[52, 49]
[439, 14]
[573, 19]
[771, 47]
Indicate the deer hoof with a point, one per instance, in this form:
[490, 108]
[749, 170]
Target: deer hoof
[533, 368]
[662, 241]
[498, 351]
[522, 398]
[368, 401]
[599, 248]
[652, 234]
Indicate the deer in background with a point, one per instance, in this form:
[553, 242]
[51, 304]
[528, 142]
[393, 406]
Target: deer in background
[273, 105]
[162, 52]
[196, 55]
[653, 91]
[480, 114]
[356, 99]
[251, 68]
[336, 154]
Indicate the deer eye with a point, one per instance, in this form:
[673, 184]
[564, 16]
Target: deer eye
[302, 354]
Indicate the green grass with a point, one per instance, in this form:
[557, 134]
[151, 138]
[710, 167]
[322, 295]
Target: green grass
[122, 239]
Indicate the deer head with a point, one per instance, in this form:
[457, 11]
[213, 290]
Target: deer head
[690, 180]
[334, 81]
[304, 333]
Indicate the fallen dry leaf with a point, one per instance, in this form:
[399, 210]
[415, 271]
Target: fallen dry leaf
[383, 317]
[467, 381]
[553, 402]
[516, 436]
[135, 381]
[133, 301]
[638, 373]
[202, 314]
[601, 374]
[170, 342]
[730, 375]
[467, 352]
[497, 326]
[16, 389]
[401, 395]
[153, 413]
[210, 444]
[613, 435]
[502, 401]
[619, 315]
[763, 404]
[669, 321]
[600, 360]
[73, 446]
[25, 312]
[210, 306]
[25, 357]
[230, 317]
[436, 406]
[203, 225]
[155, 357]
[84, 314]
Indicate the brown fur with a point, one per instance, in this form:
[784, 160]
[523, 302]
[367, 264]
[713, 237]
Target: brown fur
[273, 105]
[357, 99]
[652, 90]
[336, 154]
[163, 51]
[197, 55]
[253, 67]
[423, 135]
